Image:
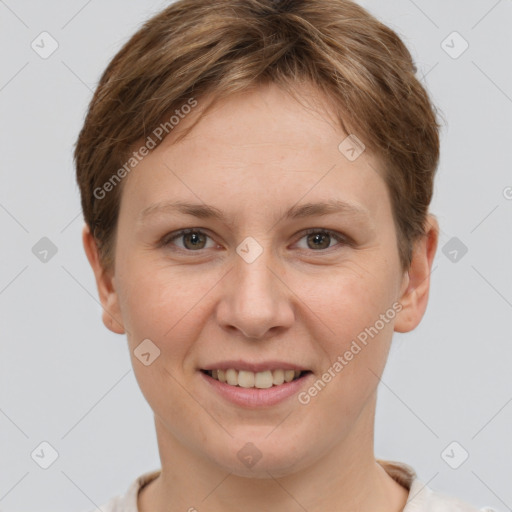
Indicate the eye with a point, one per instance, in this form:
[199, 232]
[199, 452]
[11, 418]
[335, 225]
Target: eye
[193, 239]
[318, 239]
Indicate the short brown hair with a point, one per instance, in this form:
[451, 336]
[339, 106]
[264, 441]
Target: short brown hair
[195, 48]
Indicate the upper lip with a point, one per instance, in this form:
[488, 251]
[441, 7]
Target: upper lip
[254, 367]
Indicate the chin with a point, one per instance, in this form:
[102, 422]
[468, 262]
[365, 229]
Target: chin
[260, 459]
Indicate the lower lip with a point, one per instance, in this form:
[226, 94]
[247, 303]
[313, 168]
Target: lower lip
[254, 397]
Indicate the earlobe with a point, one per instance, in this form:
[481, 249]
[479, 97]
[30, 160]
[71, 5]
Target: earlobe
[105, 284]
[416, 281]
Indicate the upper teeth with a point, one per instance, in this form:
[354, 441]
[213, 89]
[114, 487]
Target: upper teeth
[261, 380]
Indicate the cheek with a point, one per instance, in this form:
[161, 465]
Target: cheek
[163, 303]
[351, 299]
[357, 313]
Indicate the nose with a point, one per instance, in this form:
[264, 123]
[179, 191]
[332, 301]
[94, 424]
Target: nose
[256, 301]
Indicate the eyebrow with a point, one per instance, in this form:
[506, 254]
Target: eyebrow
[204, 211]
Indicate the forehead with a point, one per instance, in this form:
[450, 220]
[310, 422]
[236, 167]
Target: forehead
[259, 145]
[266, 116]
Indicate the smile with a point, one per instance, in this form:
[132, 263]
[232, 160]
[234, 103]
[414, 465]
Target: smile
[255, 384]
[260, 380]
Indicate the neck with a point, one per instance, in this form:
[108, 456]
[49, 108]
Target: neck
[346, 478]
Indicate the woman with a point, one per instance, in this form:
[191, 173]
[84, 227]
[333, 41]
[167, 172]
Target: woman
[256, 179]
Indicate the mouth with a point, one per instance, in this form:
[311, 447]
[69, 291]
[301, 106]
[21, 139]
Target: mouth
[258, 380]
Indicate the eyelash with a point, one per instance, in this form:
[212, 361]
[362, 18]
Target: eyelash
[342, 239]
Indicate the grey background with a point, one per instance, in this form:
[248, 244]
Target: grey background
[67, 380]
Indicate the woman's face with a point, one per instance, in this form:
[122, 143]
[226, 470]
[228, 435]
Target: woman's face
[248, 288]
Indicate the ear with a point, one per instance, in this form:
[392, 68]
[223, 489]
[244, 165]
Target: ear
[105, 283]
[416, 281]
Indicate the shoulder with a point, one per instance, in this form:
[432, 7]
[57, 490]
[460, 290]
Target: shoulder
[127, 502]
[113, 505]
[422, 498]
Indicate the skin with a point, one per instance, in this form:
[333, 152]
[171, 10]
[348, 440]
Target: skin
[254, 156]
